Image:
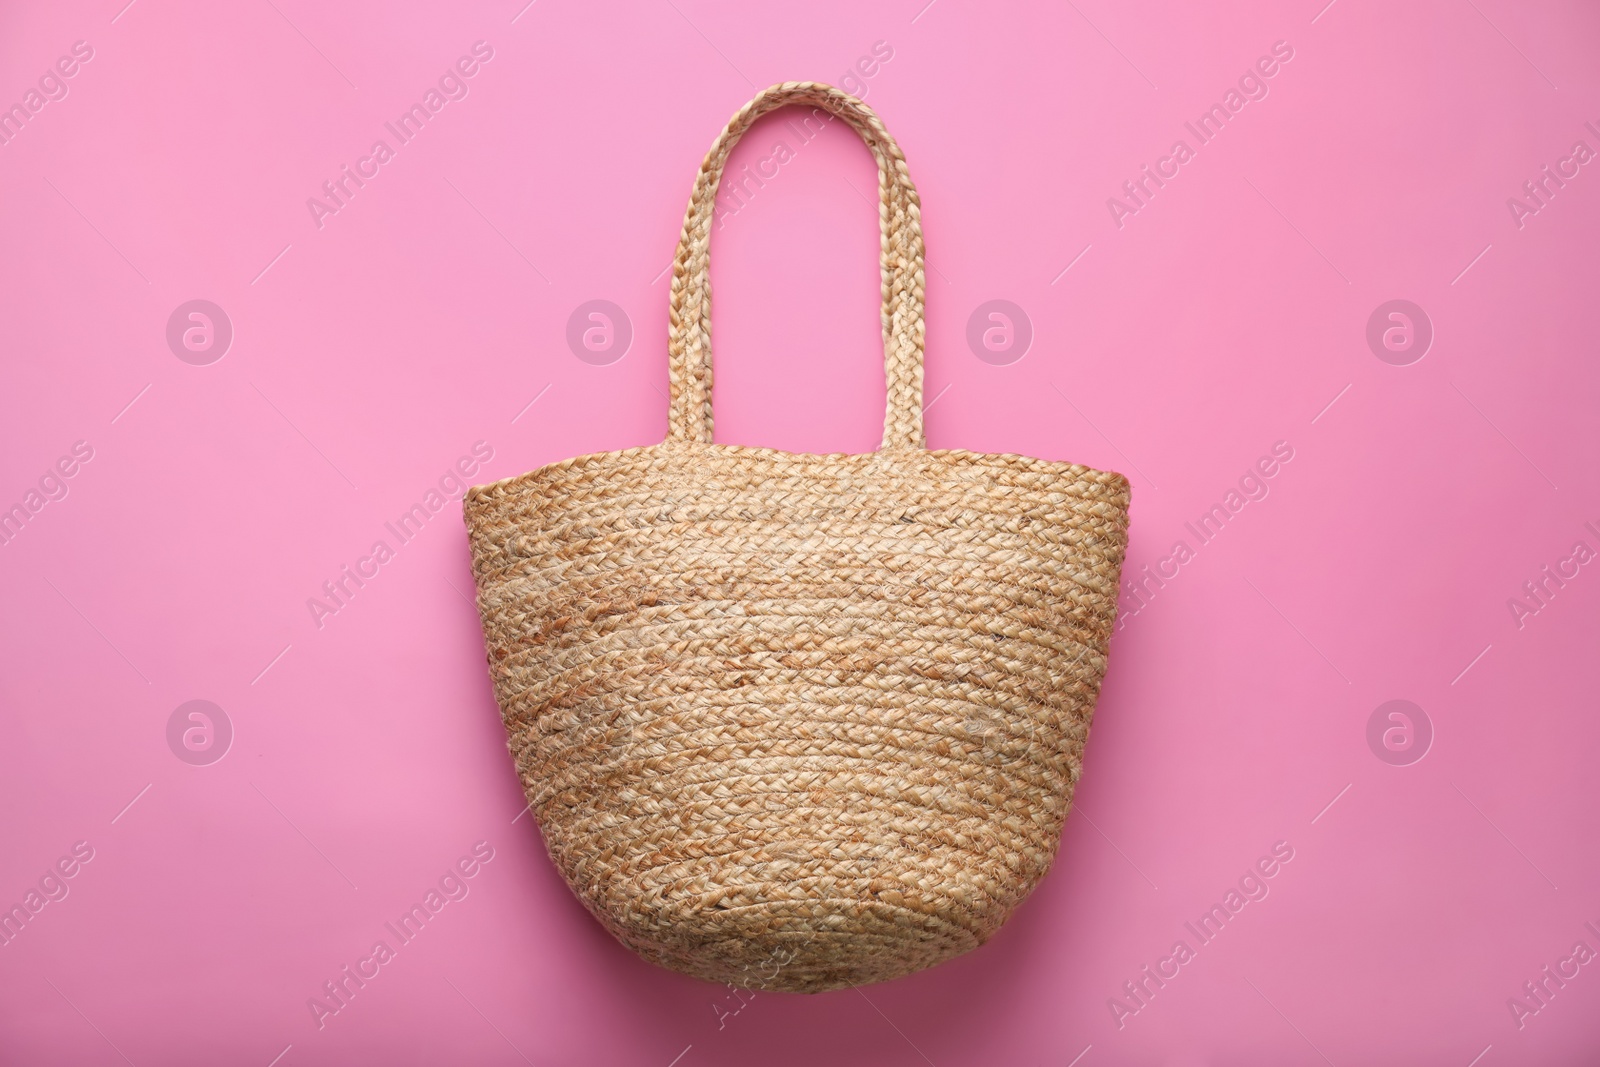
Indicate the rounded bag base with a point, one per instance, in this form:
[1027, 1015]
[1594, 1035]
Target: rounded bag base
[810, 946]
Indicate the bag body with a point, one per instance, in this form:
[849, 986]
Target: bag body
[794, 721]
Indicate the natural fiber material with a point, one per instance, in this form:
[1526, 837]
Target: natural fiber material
[799, 721]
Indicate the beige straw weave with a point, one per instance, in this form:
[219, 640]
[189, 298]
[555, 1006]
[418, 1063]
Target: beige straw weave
[796, 721]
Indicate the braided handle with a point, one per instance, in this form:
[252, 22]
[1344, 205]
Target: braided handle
[900, 219]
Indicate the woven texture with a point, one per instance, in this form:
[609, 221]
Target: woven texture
[799, 721]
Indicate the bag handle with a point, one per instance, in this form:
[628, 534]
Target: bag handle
[901, 260]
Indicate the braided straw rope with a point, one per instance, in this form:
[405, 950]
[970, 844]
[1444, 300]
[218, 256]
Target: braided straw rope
[900, 221]
[799, 721]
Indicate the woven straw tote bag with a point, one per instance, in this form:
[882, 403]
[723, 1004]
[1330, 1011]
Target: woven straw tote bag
[795, 721]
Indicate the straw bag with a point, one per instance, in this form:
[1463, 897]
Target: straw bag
[798, 721]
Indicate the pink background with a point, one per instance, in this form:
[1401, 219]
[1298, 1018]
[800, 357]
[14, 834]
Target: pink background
[1227, 314]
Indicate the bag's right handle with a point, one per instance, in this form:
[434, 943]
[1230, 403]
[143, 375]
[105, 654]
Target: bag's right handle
[901, 261]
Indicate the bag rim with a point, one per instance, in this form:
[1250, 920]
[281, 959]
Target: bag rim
[1031, 464]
